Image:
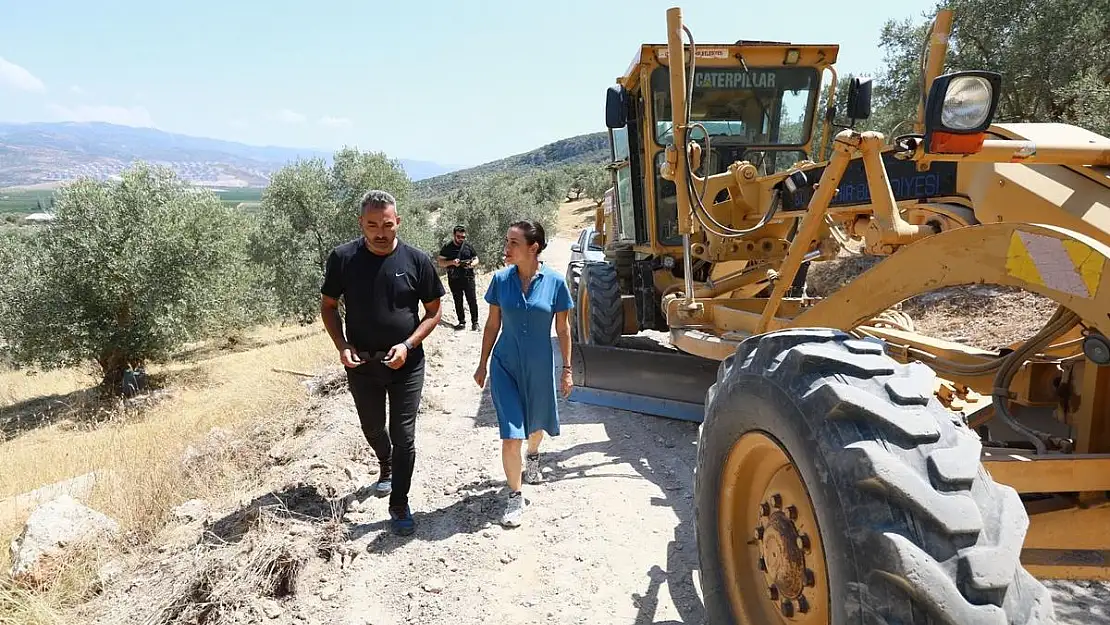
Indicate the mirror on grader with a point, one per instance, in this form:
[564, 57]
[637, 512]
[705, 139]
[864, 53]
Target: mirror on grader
[850, 467]
[859, 99]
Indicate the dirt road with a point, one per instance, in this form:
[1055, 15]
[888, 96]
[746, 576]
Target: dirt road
[607, 538]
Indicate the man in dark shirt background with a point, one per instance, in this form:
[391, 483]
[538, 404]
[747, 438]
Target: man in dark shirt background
[383, 281]
[459, 258]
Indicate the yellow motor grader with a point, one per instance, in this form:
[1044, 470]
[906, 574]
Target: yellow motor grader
[850, 469]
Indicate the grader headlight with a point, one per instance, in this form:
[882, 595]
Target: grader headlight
[967, 103]
[958, 111]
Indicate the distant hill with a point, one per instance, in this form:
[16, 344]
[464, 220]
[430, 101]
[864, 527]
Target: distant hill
[584, 149]
[38, 153]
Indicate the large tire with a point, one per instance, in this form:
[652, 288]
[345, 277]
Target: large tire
[604, 322]
[893, 518]
[574, 277]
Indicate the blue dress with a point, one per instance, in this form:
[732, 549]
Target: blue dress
[522, 366]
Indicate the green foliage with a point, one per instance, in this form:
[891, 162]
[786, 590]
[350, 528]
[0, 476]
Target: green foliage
[18, 264]
[1089, 94]
[547, 185]
[488, 206]
[1040, 46]
[128, 272]
[309, 208]
[486, 203]
[1051, 54]
[560, 183]
[593, 180]
[897, 89]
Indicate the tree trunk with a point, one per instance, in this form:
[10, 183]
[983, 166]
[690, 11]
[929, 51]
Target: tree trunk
[113, 365]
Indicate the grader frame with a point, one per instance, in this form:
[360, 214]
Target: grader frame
[1015, 205]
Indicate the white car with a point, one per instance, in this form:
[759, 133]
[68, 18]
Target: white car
[587, 247]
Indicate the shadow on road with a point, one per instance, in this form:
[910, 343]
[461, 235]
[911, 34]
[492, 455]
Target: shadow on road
[469, 515]
[302, 502]
[661, 451]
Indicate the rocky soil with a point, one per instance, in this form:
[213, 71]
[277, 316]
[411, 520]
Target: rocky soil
[608, 537]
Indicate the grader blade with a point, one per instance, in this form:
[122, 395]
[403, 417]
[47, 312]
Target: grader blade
[662, 384]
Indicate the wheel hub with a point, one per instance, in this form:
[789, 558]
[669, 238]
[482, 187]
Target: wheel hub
[773, 556]
[782, 550]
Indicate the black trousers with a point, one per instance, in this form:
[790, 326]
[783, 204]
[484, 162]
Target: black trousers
[371, 385]
[464, 286]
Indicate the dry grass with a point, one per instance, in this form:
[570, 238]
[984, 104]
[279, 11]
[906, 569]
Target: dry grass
[68, 583]
[575, 215]
[987, 317]
[826, 277]
[138, 453]
[222, 585]
[983, 316]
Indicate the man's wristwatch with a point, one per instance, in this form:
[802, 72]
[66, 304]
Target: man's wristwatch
[407, 345]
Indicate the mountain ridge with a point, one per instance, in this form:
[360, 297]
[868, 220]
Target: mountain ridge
[585, 149]
[38, 153]
[44, 155]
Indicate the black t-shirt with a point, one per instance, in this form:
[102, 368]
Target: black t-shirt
[381, 294]
[451, 251]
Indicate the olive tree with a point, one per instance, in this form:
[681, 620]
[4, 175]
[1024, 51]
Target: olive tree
[487, 207]
[595, 180]
[17, 268]
[309, 208]
[127, 272]
[547, 185]
[1051, 54]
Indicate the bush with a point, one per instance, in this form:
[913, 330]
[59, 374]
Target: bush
[127, 272]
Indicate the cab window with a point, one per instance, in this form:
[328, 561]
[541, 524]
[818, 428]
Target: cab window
[626, 225]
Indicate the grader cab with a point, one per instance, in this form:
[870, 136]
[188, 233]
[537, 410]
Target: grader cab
[849, 468]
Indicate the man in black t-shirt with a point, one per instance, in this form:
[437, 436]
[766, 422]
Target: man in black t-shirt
[459, 258]
[383, 281]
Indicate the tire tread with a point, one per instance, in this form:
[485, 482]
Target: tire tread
[606, 315]
[948, 537]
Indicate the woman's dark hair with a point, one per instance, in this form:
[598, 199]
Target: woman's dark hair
[532, 231]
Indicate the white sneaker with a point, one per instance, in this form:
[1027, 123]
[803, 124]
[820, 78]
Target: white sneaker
[532, 473]
[514, 510]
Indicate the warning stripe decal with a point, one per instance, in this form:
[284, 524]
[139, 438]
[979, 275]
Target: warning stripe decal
[1066, 266]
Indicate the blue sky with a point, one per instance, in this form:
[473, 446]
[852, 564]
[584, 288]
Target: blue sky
[453, 82]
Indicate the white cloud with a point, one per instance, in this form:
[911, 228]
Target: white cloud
[287, 116]
[237, 123]
[335, 122]
[125, 116]
[16, 77]
[76, 89]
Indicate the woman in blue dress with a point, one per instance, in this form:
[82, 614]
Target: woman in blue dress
[523, 300]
